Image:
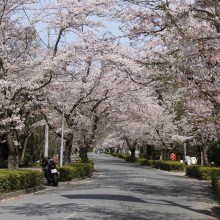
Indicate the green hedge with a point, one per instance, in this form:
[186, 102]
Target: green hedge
[67, 173]
[169, 165]
[130, 159]
[144, 162]
[76, 170]
[159, 164]
[200, 172]
[215, 176]
[120, 155]
[124, 156]
[12, 180]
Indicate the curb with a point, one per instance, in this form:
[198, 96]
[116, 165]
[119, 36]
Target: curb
[9, 195]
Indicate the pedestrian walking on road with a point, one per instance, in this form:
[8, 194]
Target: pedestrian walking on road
[193, 160]
[188, 160]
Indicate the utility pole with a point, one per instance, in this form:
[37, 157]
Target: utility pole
[184, 145]
[46, 145]
[62, 141]
[62, 126]
[46, 140]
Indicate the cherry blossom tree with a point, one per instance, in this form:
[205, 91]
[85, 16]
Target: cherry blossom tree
[140, 120]
[180, 50]
[92, 80]
[26, 67]
[20, 71]
[164, 84]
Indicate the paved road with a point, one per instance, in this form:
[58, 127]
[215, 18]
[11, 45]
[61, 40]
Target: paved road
[118, 190]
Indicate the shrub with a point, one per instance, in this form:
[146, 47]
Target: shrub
[83, 169]
[142, 161]
[12, 180]
[200, 172]
[130, 159]
[119, 155]
[122, 156]
[76, 170]
[5, 183]
[169, 165]
[215, 176]
[163, 165]
[67, 173]
[150, 163]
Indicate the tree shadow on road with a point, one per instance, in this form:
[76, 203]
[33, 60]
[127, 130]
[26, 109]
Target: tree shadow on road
[52, 211]
[124, 198]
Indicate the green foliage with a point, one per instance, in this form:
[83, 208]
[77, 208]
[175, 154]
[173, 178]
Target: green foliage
[141, 161]
[83, 169]
[120, 155]
[200, 172]
[5, 183]
[12, 180]
[77, 170]
[159, 164]
[130, 159]
[214, 153]
[144, 162]
[34, 149]
[147, 151]
[3, 155]
[3, 163]
[215, 176]
[169, 165]
[67, 173]
[126, 157]
[150, 163]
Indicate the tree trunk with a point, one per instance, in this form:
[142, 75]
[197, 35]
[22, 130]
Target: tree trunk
[132, 149]
[141, 152]
[83, 154]
[68, 151]
[24, 149]
[112, 150]
[13, 161]
[201, 155]
[205, 155]
[149, 152]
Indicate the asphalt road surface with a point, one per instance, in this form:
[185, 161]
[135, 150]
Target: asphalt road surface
[118, 190]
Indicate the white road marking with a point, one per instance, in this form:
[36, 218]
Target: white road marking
[70, 216]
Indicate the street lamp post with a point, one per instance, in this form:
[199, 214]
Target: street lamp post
[62, 141]
[62, 126]
[184, 146]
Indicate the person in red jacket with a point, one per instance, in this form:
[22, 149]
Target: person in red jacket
[172, 156]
